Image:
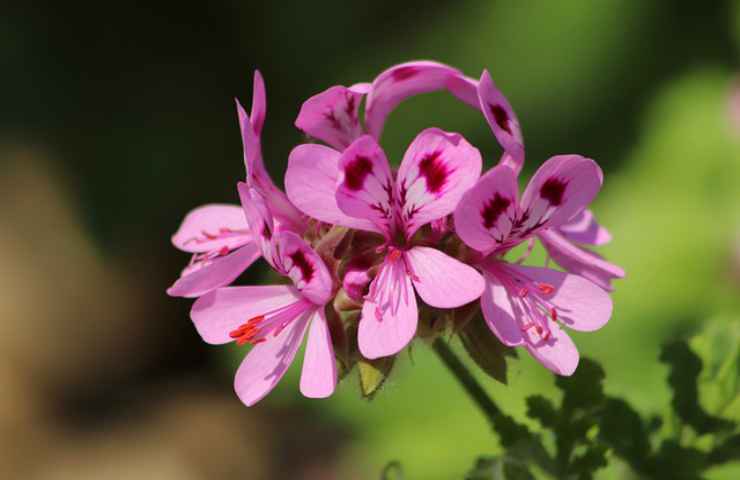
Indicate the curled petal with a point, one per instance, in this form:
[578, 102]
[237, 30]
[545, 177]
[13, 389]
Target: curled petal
[221, 311]
[442, 281]
[211, 228]
[319, 375]
[366, 186]
[331, 116]
[502, 120]
[259, 103]
[267, 362]
[399, 82]
[583, 228]
[483, 218]
[437, 169]
[311, 182]
[557, 352]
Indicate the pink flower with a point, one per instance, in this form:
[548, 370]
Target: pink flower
[357, 189]
[274, 318]
[527, 305]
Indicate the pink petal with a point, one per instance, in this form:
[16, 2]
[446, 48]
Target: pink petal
[399, 82]
[499, 312]
[319, 375]
[357, 278]
[267, 362]
[437, 169]
[502, 120]
[220, 272]
[580, 304]
[211, 228]
[558, 352]
[580, 261]
[331, 116]
[259, 103]
[483, 216]
[562, 187]
[389, 319]
[260, 221]
[366, 185]
[221, 311]
[258, 178]
[583, 228]
[303, 265]
[312, 181]
[465, 89]
[442, 281]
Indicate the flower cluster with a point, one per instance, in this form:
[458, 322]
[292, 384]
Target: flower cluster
[375, 256]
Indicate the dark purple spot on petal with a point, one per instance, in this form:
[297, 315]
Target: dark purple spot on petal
[552, 190]
[349, 107]
[493, 209]
[301, 262]
[501, 117]
[356, 171]
[404, 73]
[434, 170]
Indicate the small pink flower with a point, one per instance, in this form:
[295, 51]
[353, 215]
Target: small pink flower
[222, 248]
[357, 189]
[526, 305]
[274, 318]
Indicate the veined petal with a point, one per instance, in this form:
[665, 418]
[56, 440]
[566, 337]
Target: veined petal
[557, 352]
[305, 268]
[267, 362]
[319, 375]
[259, 103]
[583, 228]
[389, 314]
[366, 186]
[502, 120]
[442, 281]
[559, 190]
[219, 272]
[311, 182]
[500, 312]
[331, 116]
[437, 169]
[484, 216]
[580, 261]
[258, 177]
[221, 311]
[399, 82]
[212, 227]
[580, 304]
[260, 221]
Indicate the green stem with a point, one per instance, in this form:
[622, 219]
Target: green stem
[466, 379]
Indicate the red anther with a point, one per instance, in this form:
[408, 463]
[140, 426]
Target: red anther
[208, 235]
[553, 314]
[394, 255]
[247, 331]
[545, 288]
[224, 251]
[523, 292]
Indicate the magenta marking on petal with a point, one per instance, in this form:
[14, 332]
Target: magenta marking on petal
[434, 170]
[404, 73]
[356, 171]
[552, 191]
[501, 117]
[349, 107]
[493, 209]
[299, 260]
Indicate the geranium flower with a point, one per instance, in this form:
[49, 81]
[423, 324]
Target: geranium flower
[357, 189]
[274, 318]
[527, 305]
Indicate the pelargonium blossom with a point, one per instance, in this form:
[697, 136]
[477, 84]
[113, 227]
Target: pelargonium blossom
[357, 189]
[527, 305]
[274, 318]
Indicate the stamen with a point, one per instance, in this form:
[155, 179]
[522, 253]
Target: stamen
[545, 288]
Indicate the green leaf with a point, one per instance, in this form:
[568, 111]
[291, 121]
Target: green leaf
[586, 464]
[542, 410]
[373, 374]
[685, 367]
[623, 430]
[583, 389]
[485, 348]
[727, 451]
[494, 468]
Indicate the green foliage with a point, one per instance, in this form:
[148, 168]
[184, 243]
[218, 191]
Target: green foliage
[373, 374]
[392, 471]
[485, 349]
[494, 468]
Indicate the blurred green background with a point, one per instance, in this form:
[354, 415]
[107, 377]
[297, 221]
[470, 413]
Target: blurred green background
[116, 119]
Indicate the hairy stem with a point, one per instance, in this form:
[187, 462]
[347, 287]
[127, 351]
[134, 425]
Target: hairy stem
[466, 379]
